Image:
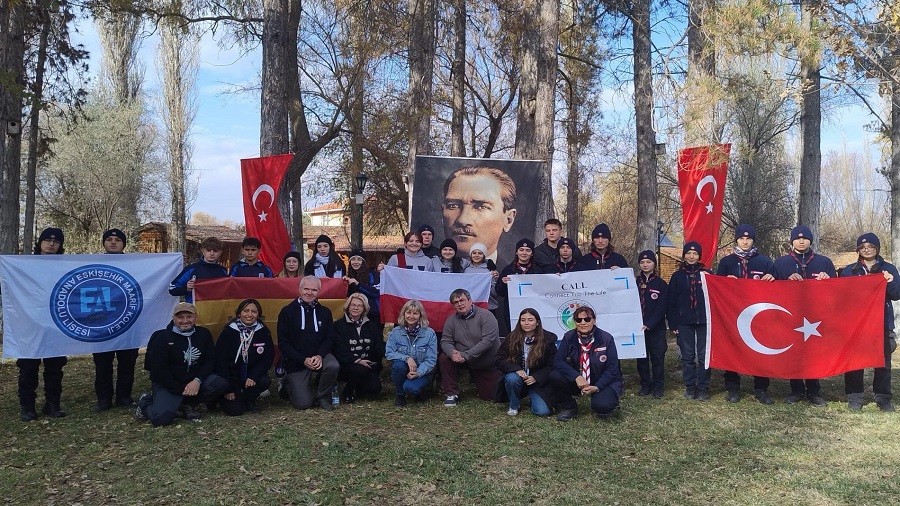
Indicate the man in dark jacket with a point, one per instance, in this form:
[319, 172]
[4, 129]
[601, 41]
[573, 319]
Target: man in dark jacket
[547, 253]
[565, 259]
[181, 361]
[802, 263]
[426, 232]
[306, 335]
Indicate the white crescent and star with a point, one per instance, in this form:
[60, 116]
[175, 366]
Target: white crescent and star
[745, 321]
[263, 188]
[703, 182]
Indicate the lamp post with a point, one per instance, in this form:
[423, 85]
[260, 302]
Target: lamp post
[361, 181]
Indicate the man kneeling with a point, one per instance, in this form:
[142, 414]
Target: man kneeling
[181, 361]
[587, 364]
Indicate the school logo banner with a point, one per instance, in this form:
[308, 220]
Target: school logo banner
[56, 305]
[612, 294]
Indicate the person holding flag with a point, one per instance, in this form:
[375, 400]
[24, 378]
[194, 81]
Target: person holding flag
[870, 262]
[206, 268]
[802, 263]
[745, 262]
[686, 313]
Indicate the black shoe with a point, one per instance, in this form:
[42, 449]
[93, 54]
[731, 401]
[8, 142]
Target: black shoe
[763, 397]
[733, 396]
[325, 403]
[644, 391]
[400, 401]
[125, 402]
[606, 416]
[817, 400]
[53, 410]
[690, 393]
[104, 405]
[793, 398]
[658, 393]
[566, 415]
[885, 406]
[854, 405]
[27, 413]
[251, 407]
[702, 395]
[190, 412]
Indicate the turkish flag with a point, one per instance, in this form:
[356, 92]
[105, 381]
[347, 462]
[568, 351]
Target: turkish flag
[261, 179]
[795, 329]
[701, 183]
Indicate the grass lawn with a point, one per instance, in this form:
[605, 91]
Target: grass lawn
[669, 451]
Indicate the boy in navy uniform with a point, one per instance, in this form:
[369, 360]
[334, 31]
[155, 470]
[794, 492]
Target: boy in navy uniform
[653, 293]
[686, 314]
[206, 268]
[565, 257]
[602, 255]
[802, 263]
[746, 263]
[870, 262]
[250, 266]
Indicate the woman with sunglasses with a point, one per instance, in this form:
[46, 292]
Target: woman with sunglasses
[586, 364]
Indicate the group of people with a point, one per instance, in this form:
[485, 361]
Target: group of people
[188, 368]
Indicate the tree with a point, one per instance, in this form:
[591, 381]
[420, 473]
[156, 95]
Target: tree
[647, 209]
[12, 75]
[458, 76]
[119, 36]
[810, 123]
[422, 17]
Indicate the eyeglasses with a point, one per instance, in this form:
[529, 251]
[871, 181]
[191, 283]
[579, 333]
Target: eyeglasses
[459, 301]
[584, 320]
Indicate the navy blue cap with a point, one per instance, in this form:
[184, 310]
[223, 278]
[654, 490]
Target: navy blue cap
[744, 230]
[801, 232]
[647, 255]
[692, 246]
[870, 238]
[569, 242]
[425, 228]
[528, 243]
[601, 230]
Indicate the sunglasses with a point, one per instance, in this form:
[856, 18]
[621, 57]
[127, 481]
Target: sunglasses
[584, 320]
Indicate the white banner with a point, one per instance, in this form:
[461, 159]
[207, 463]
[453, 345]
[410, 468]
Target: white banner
[55, 305]
[611, 293]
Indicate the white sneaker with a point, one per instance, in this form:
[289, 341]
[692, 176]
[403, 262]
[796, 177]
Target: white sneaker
[512, 412]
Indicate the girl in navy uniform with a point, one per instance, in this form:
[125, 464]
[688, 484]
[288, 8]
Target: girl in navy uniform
[653, 292]
[602, 255]
[522, 264]
[746, 263]
[870, 262]
[802, 263]
[586, 364]
[686, 313]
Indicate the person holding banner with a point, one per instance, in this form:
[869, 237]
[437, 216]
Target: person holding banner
[686, 314]
[565, 258]
[470, 341]
[50, 242]
[359, 348]
[206, 268]
[653, 292]
[802, 263]
[602, 255]
[745, 262]
[587, 364]
[522, 264]
[325, 263]
[251, 266]
[244, 354]
[412, 349]
[290, 265]
[114, 241]
[479, 262]
[525, 359]
[411, 257]
[363, 280]
[870, 262]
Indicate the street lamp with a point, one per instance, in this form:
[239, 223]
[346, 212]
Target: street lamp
[361, 180]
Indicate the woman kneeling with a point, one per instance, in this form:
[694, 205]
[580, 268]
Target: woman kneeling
[526, 358]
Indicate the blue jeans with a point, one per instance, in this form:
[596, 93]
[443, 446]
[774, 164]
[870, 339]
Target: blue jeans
[516, 389]
[404, 385]
[692, 340]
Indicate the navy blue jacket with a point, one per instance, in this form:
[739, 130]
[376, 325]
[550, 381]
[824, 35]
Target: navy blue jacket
[592, 261]
[244, 270]
[511, 269]
[546, 255]
[757, 267]
[794, 263]
[175, 360]
[604, 360]
[654, 294]
[893, 288]
[560, 267]
[687, 305]
[200, 269]
[304, 331]
[230, 364]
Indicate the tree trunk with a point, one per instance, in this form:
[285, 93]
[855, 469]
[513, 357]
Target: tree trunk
[273, 132]
[457, 145]
[291, 193]
[573, 180]
[647, 198]
[356, 148]
[700, 110]
[423, 18]
[11, 110]
[895, 163]
[34, 129]
[810, 131]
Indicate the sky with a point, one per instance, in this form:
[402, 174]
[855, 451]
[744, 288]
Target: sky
[226, 127]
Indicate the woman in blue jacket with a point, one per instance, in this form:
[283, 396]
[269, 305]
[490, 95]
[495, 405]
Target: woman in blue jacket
[870, 262]
[412, 350]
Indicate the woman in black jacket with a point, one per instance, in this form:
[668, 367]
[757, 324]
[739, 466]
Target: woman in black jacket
[359, 348]
[244, 354]
[526, 358]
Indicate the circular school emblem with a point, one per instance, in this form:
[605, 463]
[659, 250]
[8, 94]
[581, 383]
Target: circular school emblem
[95, 303]
[654, 296]
[566, 313]
[602, 358]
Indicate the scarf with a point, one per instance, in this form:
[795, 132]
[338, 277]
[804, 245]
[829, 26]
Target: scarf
[586, 343]
[526, 349]
[643, 281]
[693, 276]
[523, 269]
[803, 260]
[312, 307]
[320, 264]
[565, 267]
[246, 334]
[861, 269]
[413, 332]
[185, 333]
[744, 257]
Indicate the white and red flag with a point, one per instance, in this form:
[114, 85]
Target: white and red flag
[432, 289]
[795, 329]
[261, 179]
[701, 183]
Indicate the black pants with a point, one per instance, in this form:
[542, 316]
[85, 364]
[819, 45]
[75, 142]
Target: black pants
[361, 381]
[245, 396]
[651, 369]
[733, 382]
[808, 388]
[602, 402]
[28, 379]
[103, 380]
[881, 383]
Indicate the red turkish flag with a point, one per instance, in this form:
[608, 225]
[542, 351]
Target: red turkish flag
[701, 183]
[261, 179]
[795, 329]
